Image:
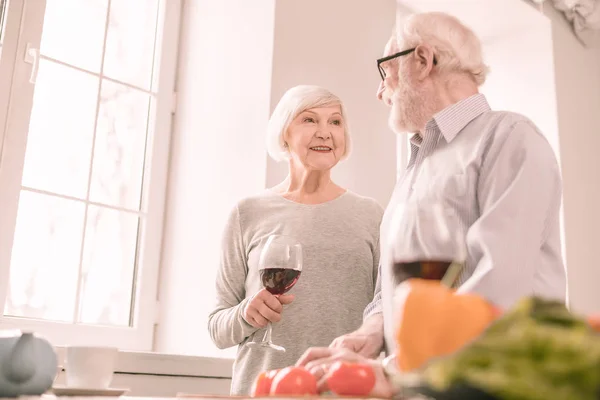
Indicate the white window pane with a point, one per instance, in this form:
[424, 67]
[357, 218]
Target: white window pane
[61, 130]
[120, 146]
[74, 31]
[130, 41]
[108, 267]
[45, 258]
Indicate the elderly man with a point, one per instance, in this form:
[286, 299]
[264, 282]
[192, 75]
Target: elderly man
[495, 167]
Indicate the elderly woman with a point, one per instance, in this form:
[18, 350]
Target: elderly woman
[338, 230]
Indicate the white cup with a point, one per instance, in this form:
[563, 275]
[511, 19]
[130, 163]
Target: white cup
[90, 367]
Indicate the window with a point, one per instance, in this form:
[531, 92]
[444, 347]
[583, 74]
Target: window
[86, 119]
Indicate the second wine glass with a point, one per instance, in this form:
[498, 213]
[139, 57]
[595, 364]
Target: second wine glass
[427, 241]
[280, 265]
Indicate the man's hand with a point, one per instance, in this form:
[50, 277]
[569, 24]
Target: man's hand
[264, 308]
[367, 341]
[362, 344]
[318, 360]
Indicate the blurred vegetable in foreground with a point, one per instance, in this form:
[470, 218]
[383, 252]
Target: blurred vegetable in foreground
[435, 321]
[538, 350]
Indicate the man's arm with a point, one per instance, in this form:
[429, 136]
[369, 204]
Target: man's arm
[375, 306]
[519, 195]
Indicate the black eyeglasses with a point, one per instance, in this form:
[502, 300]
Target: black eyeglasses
[391, 57]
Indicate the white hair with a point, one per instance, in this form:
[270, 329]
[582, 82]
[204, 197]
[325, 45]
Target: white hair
[455, 46]
[295, 101]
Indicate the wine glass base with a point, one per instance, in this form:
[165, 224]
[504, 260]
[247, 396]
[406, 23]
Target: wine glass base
[269, 345]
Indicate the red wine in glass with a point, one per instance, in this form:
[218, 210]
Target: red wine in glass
[280, 264]
[430, 270]
[427, 241]
[279, 280]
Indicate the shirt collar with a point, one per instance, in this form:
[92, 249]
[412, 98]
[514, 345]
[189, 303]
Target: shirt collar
[452, 119]
[416, 140]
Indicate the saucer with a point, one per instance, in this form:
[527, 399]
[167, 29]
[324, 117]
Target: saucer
[61, 390]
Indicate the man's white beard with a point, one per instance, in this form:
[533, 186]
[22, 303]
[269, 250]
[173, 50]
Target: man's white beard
[408, 107]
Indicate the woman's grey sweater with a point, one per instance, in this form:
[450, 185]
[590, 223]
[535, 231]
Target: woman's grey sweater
[340, 240]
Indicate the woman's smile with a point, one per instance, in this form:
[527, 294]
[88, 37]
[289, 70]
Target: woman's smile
[321, 149]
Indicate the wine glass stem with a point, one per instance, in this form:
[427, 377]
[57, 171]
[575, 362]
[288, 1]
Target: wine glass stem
[267, 337]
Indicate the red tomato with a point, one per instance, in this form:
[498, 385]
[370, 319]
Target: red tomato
[262, 384]
[349, 379]
[294, 381]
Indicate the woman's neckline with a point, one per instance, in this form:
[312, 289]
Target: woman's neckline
[309, 204]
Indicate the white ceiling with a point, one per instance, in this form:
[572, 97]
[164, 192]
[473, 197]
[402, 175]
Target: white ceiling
[488, 18]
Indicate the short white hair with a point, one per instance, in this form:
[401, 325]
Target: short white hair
[295, 101]
[456, 47]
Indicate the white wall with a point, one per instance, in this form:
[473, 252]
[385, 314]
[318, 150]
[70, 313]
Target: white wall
[577, 71]
[217, 155]
[339, 51]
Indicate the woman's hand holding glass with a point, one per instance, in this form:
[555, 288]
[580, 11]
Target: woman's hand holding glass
[265, 307]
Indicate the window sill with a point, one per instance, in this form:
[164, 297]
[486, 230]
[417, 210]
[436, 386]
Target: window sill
[149, 363]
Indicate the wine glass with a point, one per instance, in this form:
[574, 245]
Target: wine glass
[427, 241]
[280, 265]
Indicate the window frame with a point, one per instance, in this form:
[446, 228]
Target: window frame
[8, 57]
[15, 110]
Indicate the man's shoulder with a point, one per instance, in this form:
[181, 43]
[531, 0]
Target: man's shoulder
[514, 133]
[503, 120]
[497, 126]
